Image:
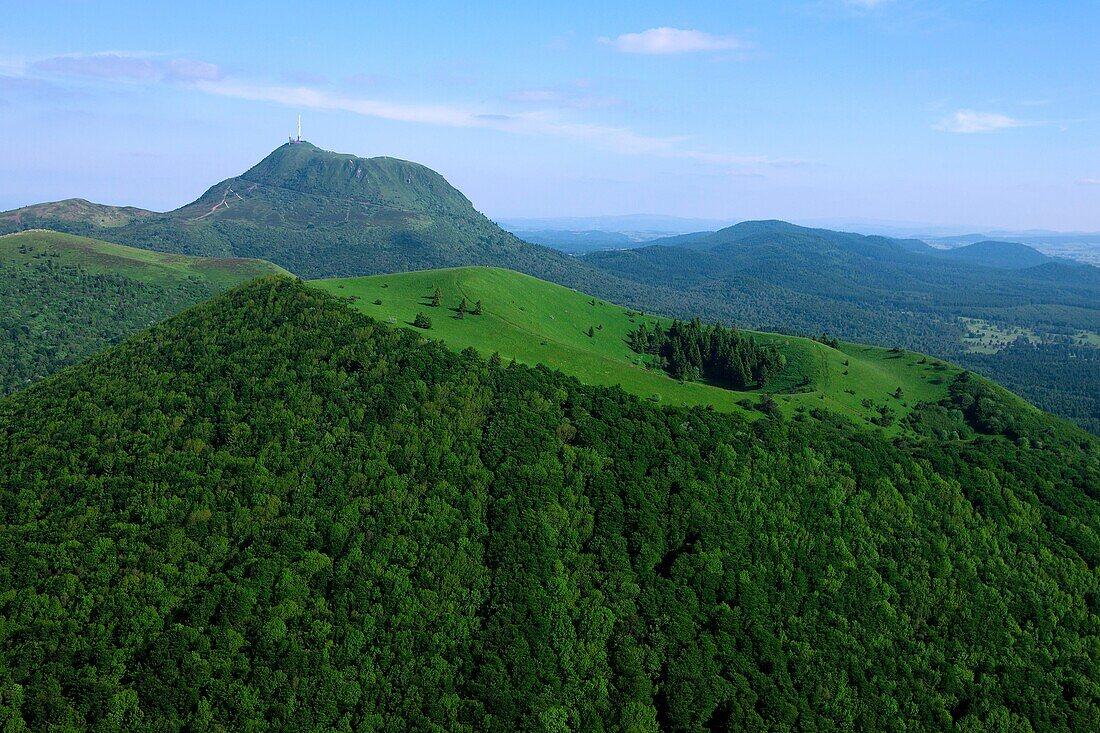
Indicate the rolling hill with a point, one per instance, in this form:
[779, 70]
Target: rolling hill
[888, 292]
[272, 512]
[64, 297]
[537, 322]
[1010, 255]
[76, 213]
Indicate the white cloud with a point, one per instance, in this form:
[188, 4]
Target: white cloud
[1089, 181]
[307, 98]
[666, 40]
[867, 4]
[121, 66]
[541, 122]
[555, 121]
[188, 70]
[969, 121]
[99, 65]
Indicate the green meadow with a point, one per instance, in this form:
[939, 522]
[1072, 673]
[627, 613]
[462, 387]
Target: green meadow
[536, 322]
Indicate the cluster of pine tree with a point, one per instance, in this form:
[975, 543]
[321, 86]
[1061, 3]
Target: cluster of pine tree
[691, 350]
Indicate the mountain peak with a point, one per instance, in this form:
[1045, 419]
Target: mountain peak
[303, 186]
[306, 168]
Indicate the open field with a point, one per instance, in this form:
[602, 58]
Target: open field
[534, 322]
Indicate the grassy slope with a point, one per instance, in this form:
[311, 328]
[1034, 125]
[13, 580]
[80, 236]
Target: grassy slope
[99, 257]
[538, 322]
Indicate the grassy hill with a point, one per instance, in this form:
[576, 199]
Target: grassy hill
[538, 322]
[63, 297]
[888, 292]
[273, 513]
[325, 214]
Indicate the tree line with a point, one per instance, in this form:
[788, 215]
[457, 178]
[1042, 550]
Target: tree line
[690, 350]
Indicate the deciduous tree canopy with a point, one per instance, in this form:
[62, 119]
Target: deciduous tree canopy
[273, 513]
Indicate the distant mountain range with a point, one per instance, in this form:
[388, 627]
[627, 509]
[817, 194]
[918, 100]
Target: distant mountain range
[582, 235]
[579, 235]
[324, 214]
[622, 223]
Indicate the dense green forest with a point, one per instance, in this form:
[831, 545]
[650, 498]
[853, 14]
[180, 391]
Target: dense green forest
[63, 298]
[725, 356]
[274, 513]
[1058, 377]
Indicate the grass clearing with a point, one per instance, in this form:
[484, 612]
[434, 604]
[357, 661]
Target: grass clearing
[537, 322]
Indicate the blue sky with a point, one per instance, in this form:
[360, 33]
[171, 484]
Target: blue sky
[968, 113]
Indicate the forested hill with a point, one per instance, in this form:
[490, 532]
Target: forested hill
[1010, 255]
[775, 276]
[63, 297]
[324, 214]
[271, 512]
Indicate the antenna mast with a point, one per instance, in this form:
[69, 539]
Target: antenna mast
[299, 128]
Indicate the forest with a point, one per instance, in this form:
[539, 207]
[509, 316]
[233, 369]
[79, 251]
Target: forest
[722, 355]
[274, 513]
[52, 316]
[64, 298]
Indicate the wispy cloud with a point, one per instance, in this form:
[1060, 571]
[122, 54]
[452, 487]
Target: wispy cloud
[117, 66]
[310, 98]
[666, 40]
[537, 95]
[1088, 181]
[535, 122]
[99, 66]
[866, 4]
[553, 117]
[969, 121]
[189, 70]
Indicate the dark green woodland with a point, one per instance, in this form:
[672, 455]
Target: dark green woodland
[273, 513]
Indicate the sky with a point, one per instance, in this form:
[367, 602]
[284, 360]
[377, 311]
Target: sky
[969, 113]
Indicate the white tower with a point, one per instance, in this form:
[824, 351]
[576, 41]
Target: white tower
[299, 128]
